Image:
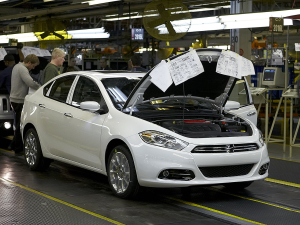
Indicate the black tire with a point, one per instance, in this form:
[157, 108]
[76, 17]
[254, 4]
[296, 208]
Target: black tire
[122, 172]
[33, 152]
[238, 185]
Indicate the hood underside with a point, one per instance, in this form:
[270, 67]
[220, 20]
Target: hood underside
[208, 85]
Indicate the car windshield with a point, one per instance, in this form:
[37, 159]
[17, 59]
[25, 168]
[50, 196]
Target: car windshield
[119, 89]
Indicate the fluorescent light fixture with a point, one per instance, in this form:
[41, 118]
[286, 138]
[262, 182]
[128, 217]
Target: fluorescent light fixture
[207, 9]
[253, 23]
[48, 0]
[206, 27]
[90, 36]
[3, 0]
[239, 21]
[287, 22]
[140, 16]
[20, 35]
[87, 31]
[146, 49]
[96, 2]
[262, 15]
[3, 39]
[28, 39]
[220, 47]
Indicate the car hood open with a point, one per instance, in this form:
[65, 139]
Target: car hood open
[209, 85]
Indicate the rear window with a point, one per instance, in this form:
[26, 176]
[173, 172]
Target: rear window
[61, 88]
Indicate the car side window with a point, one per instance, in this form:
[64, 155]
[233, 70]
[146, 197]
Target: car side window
[87, 90]
[239, 93]
[46, 88]
[61, 88]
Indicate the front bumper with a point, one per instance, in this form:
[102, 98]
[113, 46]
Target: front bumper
[150, 161]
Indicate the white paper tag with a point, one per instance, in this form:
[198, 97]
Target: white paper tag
[160, 76]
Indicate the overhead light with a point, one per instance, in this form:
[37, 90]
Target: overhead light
[260, 15]
[87, 31]
[23, 37]
[256, 23]
[90, 36]
[239, 21]
[28, 39]
[96, 2]
[220, 47]
[48, 0]
[207, 27]
[20, 35]
[150, 15]
[3, 39]
[3, 0]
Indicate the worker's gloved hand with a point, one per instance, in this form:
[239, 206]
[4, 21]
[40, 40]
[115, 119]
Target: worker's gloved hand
[19, 45]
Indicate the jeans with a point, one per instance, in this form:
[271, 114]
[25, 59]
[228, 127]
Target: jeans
[17, 107]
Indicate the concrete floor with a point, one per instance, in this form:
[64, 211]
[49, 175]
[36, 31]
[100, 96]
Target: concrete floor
[66, 194]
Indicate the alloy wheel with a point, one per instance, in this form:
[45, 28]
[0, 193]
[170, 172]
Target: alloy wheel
[119, 171]
[30, 149]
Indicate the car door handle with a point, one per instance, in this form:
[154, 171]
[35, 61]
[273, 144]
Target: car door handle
[42, 106]
[251, 113]
[68, 115]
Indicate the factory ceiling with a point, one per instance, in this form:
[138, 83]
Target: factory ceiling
[79, 14]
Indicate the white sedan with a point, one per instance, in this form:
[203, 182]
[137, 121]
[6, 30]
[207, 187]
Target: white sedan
[123, 126]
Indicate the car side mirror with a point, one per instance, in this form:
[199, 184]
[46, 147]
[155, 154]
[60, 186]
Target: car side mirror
[91, 106]
[232, 105]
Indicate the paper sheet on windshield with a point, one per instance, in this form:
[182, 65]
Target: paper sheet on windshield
[2, 53]
[228, 64]
[185, 67]
[31, 50]
[160, 76]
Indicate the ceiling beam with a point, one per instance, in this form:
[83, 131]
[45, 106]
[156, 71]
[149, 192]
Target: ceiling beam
[101, 12]
[44, 11]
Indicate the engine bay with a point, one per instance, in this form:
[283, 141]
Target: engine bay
[227, 125]
[208, 128]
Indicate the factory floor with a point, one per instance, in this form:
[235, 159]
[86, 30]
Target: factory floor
[66, 194]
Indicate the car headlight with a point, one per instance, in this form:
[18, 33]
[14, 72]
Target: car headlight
[261, 138]
[162, 140]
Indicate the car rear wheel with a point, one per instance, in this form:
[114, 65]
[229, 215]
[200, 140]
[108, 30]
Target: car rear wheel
[121, 173]
[238, 185]
[33, 152]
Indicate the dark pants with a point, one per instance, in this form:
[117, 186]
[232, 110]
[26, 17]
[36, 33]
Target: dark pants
[17, 107]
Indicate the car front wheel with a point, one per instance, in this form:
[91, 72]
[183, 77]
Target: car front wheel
[238, 185]
[33, 152]
[121, 173]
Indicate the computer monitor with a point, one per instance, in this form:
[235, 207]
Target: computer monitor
[273, 77]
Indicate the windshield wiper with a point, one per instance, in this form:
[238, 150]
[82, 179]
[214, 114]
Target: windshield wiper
[161, 105]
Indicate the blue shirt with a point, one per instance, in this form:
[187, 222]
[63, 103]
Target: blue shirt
[5, 78]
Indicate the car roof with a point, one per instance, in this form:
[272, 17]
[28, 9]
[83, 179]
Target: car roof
[99, 74]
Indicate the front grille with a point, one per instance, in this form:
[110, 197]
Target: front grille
[226, 171]
[225, 148]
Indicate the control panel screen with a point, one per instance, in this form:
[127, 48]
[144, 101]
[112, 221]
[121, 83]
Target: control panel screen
[269, 74]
